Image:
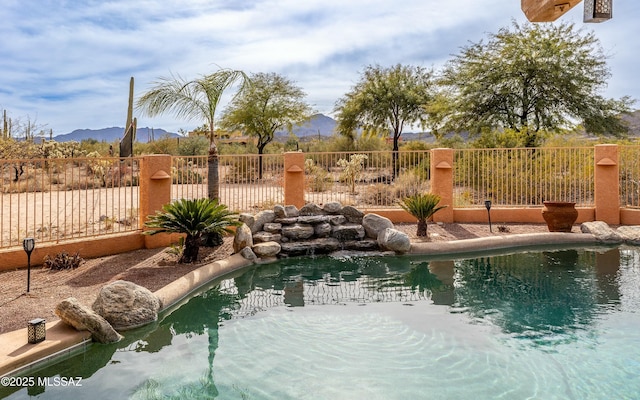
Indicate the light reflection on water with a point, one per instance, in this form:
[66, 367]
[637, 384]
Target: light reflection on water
[546, 325]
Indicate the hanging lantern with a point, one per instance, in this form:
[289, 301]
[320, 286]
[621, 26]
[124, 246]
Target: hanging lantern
[597, 10]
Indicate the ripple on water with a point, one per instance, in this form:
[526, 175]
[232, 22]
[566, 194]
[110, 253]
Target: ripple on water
[319, 353]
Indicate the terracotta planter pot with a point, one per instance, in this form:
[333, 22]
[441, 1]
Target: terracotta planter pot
[559, 215]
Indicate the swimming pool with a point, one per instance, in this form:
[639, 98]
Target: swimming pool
[548, 325]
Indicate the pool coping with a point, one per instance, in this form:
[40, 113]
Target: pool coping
[16, 356]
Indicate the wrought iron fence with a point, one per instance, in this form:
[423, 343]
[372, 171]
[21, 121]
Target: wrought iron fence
[630, 176]
[247, 182]
[523, 177]
[370, 179]
[57, 199]
[189, 177]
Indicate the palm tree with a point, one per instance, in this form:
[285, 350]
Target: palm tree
[195, 99]
[193, 218]
[422, 206]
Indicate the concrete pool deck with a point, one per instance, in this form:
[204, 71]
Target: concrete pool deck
[16, 356]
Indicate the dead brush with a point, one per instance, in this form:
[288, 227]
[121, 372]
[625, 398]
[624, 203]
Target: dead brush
[62, 261]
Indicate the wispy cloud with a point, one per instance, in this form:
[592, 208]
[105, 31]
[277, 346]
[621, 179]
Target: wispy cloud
[69, 62]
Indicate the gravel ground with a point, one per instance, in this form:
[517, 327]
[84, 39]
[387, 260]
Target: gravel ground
[154, 268]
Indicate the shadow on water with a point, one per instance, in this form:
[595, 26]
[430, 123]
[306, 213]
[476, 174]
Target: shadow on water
[544, 296]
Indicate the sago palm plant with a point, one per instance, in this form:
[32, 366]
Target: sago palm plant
[193, 218]
[422, 206]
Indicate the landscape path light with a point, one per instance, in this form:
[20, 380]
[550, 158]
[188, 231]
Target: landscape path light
[28, 244]
[36, 330]
[487, 204]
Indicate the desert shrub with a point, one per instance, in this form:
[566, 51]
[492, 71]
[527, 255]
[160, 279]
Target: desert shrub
[193, 146]
[62, 261]
[82, 184]
[53, 149]
[423, 169]
[405, 185]
[503, 229]
[185, 174]
[92, 145]
[30, 184]
[316, 177]
[242, 170]
[165, 145]
[235, 148]
[414, 145]
[380, 194]
[352, 169]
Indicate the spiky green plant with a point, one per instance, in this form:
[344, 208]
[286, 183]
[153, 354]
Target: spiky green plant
[193, 218]
[422, 206]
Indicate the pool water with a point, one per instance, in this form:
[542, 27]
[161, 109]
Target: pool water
[531, 325]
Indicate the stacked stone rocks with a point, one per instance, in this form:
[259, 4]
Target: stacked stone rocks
[286, 231]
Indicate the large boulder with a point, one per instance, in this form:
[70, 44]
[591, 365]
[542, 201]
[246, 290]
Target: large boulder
[297, 231]
[263, 236]
[291, 211]
[247, 219]
[394, 240]
[332, 207]
[262, 218]
[601, 231]
[630, 234]
[126, 305]
[374, 224]
[312, 209]
[83, 318]
[272, 227]
[248, 254]
[242, 238]
[322, 230]
[279, 211]
[352, 214]
[348, 232]
[266, 249]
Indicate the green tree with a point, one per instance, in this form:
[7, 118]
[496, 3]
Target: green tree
[271, 103]
[195, 99]
[195, 218]
[384, 101]
[532, 78]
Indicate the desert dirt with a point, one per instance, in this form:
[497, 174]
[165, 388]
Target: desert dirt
[155, 268]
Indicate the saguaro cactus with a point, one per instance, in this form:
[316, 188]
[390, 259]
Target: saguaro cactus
[126, 144]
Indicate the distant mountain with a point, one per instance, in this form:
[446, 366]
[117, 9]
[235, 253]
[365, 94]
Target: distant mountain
[319, 124]
[112, 134]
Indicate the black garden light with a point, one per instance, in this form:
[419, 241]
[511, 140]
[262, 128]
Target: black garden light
[28, 244]
[597, 10]
[36, 330]
[487, 204]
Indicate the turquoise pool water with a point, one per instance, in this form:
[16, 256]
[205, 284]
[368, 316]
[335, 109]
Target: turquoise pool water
[532, 325]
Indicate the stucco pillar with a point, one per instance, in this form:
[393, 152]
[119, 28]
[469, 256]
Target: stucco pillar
[294, 178]
[442, 182]
[607, 184]
[155, 192]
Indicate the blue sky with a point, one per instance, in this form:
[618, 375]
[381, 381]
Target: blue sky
[66, 65]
